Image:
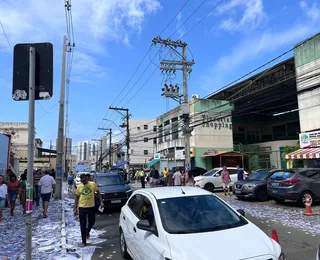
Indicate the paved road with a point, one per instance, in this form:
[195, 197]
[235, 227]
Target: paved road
[297, 244]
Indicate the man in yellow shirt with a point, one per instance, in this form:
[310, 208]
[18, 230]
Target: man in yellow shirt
[85, 200]
[165, 173]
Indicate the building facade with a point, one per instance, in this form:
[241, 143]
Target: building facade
[141, 141]
[212, 131]
[82, 151]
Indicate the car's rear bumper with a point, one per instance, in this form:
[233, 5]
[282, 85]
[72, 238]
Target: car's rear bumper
[284, 194]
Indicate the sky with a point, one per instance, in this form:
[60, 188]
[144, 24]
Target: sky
[112, 37]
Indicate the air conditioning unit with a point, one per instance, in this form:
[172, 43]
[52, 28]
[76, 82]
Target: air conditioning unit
[195, 96]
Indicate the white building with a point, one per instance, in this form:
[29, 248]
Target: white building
[141, 141]
[82, 151]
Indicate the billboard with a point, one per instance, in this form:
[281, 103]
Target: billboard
[310, 139]
[4, 153]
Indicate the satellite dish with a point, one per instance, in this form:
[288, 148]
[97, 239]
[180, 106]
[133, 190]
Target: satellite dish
[195, 96]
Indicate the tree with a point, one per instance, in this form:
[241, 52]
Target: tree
[290, 149]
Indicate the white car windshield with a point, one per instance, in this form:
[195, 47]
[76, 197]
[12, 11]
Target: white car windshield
[197, 214]
[210, 173]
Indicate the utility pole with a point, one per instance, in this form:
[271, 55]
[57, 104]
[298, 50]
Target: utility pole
[110, 140]
[99, 140]
[125, 125]
[185, 66]
[58, 193]
[50, 154]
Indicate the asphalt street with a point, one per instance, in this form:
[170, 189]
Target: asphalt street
[297, 244]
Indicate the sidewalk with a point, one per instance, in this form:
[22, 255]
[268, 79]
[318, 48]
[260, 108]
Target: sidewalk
[56, 237]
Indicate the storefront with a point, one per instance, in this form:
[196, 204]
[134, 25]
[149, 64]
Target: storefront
[224, 158]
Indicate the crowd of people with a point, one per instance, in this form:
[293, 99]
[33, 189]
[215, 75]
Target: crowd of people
[166, 178]
[13, 188]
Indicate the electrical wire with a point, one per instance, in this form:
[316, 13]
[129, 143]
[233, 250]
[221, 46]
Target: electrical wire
[6, 36]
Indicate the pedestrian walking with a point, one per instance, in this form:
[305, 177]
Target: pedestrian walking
[240, 173]
[151, 177]
[37, 176]
[70, 182]
[225, 176]
[23, 191]
[85, 200]
[3, 195]
[6, 180]
[189, 179]
[47, 187]
[177, 178]
[156, 177]
[165, 173]
[13, 189]
[170, 178]
[53, 174]
[142, 178]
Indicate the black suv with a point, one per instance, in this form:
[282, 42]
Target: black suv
[254, 186]
[114, 190]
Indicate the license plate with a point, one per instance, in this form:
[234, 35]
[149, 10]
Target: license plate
[237, 191]
[115, 201]
[275, 184]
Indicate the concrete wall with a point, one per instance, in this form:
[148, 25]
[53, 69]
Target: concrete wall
[144, 141]
[307, 62]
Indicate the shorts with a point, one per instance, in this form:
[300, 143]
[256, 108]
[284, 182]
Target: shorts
[226, 185]
[70, 183]
[46, 196]
[13, 195]
[2, 203]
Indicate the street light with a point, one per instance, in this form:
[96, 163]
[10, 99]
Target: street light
[106, 119]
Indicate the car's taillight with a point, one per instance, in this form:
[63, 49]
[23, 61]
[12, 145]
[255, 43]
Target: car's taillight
[291, 182]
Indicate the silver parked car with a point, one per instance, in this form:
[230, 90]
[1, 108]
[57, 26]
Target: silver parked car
[295, 184]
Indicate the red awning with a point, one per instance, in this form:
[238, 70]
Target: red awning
[305, 153]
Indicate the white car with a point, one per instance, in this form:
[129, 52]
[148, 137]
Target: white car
[212, 179]
[175, 223]
[77, 180]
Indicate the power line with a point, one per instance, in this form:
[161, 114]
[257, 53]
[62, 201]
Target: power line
[5, 34]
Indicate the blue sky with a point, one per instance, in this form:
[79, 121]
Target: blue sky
[111, 38]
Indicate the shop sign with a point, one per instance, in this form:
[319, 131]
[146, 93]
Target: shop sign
[221, 123]
[311, 139]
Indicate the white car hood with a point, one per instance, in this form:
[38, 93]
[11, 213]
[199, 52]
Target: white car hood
[246, 242]
[200, 177]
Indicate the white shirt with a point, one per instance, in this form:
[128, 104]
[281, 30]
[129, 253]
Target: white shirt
[46, 183]
[3, 191]
[177, 178]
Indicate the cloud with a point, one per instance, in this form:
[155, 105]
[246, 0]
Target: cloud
[312, 10]
[179, 23]
[95, 24]
[241, 15]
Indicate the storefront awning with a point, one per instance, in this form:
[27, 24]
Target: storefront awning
[304, 153]
[153, 162]
[229, 153]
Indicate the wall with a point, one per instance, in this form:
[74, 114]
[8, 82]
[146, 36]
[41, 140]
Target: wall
[138, 145]
[307, 62]
[275, 154]
[206, 162]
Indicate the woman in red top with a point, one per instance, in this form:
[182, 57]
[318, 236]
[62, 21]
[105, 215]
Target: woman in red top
[13, 189]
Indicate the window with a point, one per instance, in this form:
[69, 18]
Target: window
[154, 128]
[160, 134]
[145, 152]
[154, 140]
[145, 127]
[102, 181]
[232, 171]
[196, 214]
[134, 204]
[175, 128]
[145, 139]
[146, 211]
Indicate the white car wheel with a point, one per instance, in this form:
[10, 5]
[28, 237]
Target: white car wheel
[123, 246]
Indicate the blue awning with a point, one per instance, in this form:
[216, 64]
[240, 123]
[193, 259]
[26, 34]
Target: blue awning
[119, 164]
[153, 162]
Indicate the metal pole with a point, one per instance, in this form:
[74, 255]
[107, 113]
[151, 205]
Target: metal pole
[128, 141]
[58, 194]
[101, 155]
[110, 145]
[186, 116]
[32, 86]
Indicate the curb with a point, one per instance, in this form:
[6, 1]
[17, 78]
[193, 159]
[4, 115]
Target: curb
[63, 227]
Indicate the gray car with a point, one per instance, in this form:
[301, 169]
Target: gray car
[295, 184]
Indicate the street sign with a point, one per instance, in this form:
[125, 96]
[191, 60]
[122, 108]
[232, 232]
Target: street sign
[43, 71]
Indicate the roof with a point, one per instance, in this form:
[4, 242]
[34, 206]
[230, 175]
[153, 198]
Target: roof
[106, 174]
[231, 153]
[174, 192]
